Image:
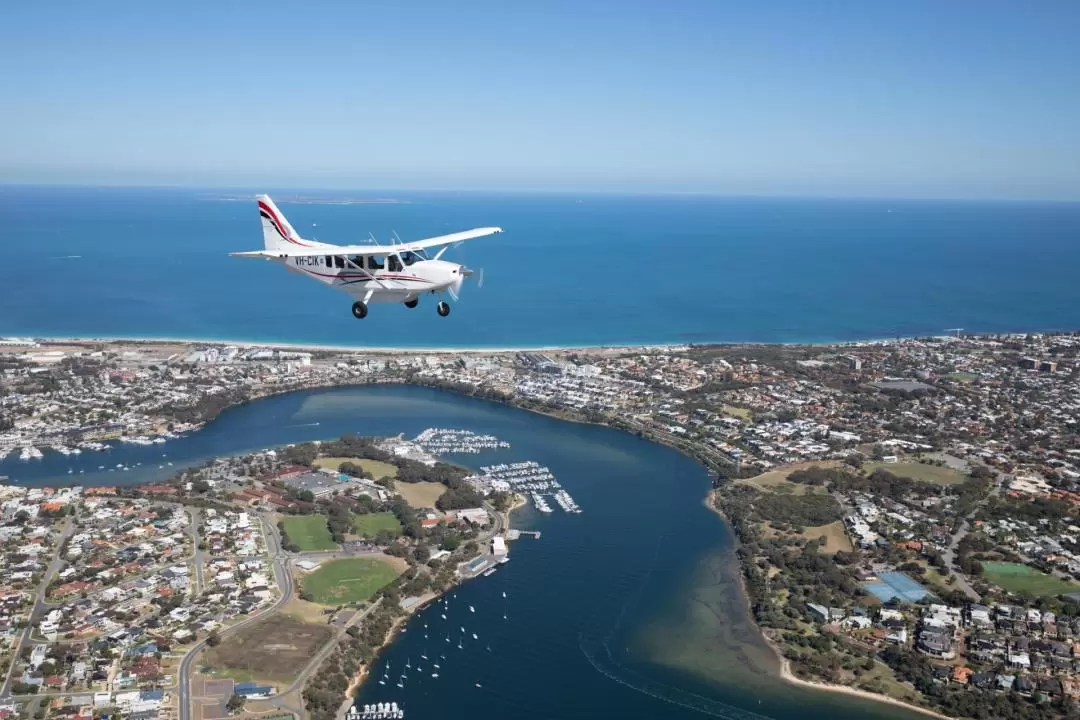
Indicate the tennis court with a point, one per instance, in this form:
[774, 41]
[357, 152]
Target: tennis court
[896, 585]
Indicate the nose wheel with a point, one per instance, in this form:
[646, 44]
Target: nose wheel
[443, 309]
[359, 310]
[412, 303]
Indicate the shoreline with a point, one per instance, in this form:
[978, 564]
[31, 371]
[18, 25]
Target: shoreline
[589, 347]
[784, 671]
[788, 676]
[357, 681]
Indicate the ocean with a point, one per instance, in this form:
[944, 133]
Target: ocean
[568, 270]
[630, 610]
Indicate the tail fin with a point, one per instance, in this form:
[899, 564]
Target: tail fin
[278, 234]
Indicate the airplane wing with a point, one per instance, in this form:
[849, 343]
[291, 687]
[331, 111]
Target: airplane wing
[448, 239]
[326, 249]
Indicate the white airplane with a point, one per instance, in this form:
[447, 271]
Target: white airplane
[369, 273]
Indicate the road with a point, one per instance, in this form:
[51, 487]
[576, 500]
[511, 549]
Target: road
[284, 580]
[39, 602]
[949, 555]
[193, 532]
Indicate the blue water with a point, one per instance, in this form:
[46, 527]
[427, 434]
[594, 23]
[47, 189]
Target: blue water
[568, 270]
[581, 601]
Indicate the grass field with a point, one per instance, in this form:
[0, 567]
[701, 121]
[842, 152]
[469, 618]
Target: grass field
[348, 580]
[836, 538]
[372, 524]
[309, 532]
[919, 471]
[275, 650]
[377, 468]
[421, 494]
[776, 480]
[736, 412]
[1024, 580]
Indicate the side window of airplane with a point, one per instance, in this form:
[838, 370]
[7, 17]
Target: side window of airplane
[375, 262]
[395, 263]
[329, 261]
[339, 261]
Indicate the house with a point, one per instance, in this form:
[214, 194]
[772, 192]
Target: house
[820, 612]
[899, 637]
[935, 641]
[962, 674]
[860, 622]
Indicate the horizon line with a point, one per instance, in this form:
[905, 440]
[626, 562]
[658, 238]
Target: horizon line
[596, 192]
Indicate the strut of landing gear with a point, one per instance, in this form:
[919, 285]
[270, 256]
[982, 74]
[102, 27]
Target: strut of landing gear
[443, 309]
[412, 303]
[359, 310]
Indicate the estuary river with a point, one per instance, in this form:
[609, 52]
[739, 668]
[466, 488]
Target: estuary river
[631, 609]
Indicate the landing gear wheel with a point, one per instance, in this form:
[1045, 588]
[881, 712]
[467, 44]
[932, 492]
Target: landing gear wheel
[359, 310]
[412, 303]
[443, 309]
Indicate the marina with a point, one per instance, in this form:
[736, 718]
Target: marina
[443, 440]
[527, 476]
[375, 711]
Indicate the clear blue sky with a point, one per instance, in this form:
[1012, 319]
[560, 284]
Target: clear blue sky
[976, 98]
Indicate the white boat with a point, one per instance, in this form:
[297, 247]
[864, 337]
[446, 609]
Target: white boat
[472, 609]
[474, 637]
[434, 674]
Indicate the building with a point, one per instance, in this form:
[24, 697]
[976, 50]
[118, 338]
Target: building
[498, 546]
[321, 485]
[252, 691]
[474, 516]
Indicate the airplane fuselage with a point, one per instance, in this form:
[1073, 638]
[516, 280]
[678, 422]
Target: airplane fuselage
[394, 282]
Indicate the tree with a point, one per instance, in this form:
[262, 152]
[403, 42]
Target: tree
[421, 554]
[235, 704]
[450, 543]
[213, 639]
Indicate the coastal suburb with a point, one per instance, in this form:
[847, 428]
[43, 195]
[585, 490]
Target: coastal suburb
[907, 516]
